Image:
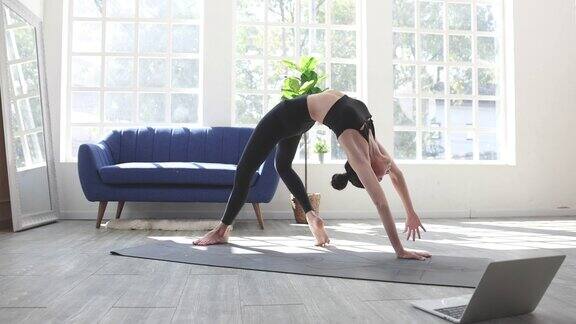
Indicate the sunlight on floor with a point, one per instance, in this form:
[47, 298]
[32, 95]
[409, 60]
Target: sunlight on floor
[505, 239]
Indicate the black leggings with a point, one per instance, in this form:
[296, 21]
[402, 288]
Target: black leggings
[283, 125]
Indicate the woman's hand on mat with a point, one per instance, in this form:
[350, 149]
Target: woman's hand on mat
[413, 254]
[413, 225]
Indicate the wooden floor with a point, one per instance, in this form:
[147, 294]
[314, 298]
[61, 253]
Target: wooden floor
[63, 272]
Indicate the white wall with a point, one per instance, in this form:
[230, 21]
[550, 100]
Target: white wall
[543, 178]
[36, 6]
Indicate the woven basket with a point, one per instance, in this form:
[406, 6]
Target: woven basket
[299, 214]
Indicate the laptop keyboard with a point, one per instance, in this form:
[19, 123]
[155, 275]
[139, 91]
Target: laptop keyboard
[454, 312]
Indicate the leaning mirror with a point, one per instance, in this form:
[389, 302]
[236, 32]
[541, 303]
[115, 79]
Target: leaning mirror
[26, 119]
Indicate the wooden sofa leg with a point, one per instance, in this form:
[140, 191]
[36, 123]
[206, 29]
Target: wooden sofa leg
[101, 210]
[258, 215]
[119, 209]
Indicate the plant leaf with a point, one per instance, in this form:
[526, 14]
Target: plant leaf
[291, 65]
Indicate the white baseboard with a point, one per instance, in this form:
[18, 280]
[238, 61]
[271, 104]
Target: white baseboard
[329, 214]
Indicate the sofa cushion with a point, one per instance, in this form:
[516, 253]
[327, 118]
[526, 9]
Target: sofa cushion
[198, 173]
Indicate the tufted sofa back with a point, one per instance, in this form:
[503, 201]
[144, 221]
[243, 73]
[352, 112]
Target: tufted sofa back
[178, 144]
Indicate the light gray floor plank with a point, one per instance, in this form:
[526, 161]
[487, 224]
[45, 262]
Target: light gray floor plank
[277, 314]
[209, 299]
[267, 288]
[88, 302]
[138, 315]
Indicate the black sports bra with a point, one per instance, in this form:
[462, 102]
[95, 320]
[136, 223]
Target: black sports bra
[347, 113]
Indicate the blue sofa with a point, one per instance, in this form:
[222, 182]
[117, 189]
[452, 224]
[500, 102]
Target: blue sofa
[159, 164]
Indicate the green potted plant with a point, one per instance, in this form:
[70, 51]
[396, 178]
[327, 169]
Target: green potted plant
[304, 81]
[321, 148]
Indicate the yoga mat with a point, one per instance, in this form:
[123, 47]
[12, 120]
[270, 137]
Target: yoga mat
[331, 262]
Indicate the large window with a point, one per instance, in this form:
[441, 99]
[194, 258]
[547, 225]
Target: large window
[448, 80]
[268, 31]
[132, 62]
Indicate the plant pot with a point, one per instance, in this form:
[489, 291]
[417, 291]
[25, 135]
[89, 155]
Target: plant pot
[321, 157]
[299, 214]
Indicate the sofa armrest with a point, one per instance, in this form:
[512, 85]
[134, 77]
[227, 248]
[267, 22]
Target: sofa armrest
[267, 183]
[92, 157]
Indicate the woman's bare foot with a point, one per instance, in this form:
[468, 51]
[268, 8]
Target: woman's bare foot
[218, 235]
[316, 225]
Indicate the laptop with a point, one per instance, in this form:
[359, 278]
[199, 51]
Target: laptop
[507, 288]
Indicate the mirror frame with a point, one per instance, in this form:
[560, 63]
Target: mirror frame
[24, 221]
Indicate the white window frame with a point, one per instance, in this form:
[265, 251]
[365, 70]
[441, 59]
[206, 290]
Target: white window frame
[136, 89]
[504, 127]
[327, 59]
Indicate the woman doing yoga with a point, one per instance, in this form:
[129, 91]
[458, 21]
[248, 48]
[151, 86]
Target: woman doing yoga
[367, 163]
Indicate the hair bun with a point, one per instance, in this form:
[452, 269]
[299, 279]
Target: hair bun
[339, 181]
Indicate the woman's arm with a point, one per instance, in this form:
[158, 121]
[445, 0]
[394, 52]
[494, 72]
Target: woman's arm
[397, 177]
[398, 181]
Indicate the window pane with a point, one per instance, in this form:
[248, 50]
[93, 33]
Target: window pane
[31, 112]
[344, 77]
[87, 36]
[281, 11]
[120, 8]
[119, 107]
[184, 108]
[461, 113]
[487, 49]
[34, 147]
[18, 147]
[431, 15]
[153, 38]
[250, 40]
[336, 151]
[153, 8]
[404, 111]
[153, 73]
[86, 71]
[273, 100]
[343, 12]
[343, 43]
[152, 107]
[488, 143]
[432, 79]
[460, 80]
[487, 82]
[462, 145]
[85, 107]
[185, 73]
[249, 109]
[23, 44]
[403, 13]
[313, 42]
[24, 78]
[405, 145]
[433, 112]
[281, 41]
[313, 11]
[87, 8]
[250, 10]
[459, 16]
[185, 39]
[433, 145]
[276, 74]
[186, 9]
[404, 46]
[487, 115]
[404, 79]
[249, 74]
[460, 48]
[432, 47]
[119, 72]
[82, 134]
[486, 18]
[120, 37]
